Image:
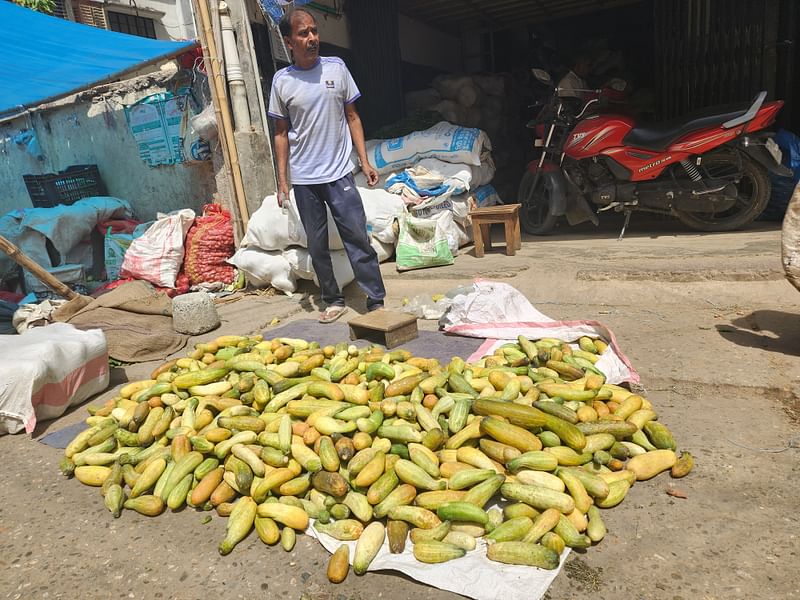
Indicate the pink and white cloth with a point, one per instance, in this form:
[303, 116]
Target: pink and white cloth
[46, 370]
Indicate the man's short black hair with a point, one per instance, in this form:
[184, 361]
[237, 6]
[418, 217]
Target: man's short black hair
[286, 21]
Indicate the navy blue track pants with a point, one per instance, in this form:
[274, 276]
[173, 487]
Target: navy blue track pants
[345, 204]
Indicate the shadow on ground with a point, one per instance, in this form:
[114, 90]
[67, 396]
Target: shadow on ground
[770, 330]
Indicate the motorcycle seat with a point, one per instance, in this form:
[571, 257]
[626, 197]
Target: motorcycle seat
[660, 136]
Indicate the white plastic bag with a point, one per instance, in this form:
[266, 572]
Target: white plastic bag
[264, 268]
[157, 256]
[274, 228]
[422, 243]
[204, 123]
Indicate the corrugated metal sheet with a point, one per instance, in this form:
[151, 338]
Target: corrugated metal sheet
[499, 14]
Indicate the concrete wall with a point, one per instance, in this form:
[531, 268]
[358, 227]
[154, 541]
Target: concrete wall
[423, 45]
[173, 18]
[88, 132]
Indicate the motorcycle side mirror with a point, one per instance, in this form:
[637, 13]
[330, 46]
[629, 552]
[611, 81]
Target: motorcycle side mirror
[542, 76]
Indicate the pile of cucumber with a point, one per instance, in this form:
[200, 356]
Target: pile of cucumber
[373, 444]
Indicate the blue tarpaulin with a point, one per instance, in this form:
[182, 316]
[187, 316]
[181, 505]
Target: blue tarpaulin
[45, 58]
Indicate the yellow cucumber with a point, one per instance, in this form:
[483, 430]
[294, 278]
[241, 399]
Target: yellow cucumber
[368, 546]
[579, 494]
[415, 515]
[114, 499]
[411, 473]
[523, 553]
[434, 533]
[149, 506]
[372, 471]
[480, 494]
[509, 434]
[93, 475]
[198, 378]
[540, 478]
[254, 461]
[177, 497]
[290, 516]
[650, 464]
[403, 494]
[288, 539]
[542, 524]
[359, 506]
[339, 564]
[616, 493]
[538, 497]
[240, 523]
[683, 465]
[467, 478]
[433, 551]
[267, 530]
[596, 530]
[462, 511]
[461, 539]
[571, 536]
[149, 477]
[511, 530]
[345, 530]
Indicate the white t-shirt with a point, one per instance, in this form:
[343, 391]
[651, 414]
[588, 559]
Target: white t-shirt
[313, 101]
[570, 84]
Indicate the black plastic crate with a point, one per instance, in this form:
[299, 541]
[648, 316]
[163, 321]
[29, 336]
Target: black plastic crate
[65, 187]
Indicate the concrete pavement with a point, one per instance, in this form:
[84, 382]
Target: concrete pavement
[707, 320]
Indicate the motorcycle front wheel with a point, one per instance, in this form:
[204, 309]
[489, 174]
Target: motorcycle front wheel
[752, 187]
[534, 211]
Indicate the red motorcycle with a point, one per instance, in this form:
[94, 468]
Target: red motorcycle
[708, 169]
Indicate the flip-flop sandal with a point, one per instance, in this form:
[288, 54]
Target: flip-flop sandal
[330, 314]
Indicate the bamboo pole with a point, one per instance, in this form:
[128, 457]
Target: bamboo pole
[26, 262]
[220, 98]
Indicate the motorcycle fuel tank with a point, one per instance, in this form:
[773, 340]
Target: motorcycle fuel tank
[596, 133]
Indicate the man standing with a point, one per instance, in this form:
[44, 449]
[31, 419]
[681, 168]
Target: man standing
[316, 127]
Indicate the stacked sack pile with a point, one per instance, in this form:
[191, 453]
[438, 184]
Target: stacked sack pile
[420, 207]
[490, 102]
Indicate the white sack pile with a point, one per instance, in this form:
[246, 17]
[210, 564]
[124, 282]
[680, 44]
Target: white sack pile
[469, 100]
[435, 175]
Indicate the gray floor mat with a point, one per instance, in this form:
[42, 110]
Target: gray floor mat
[62, 437]
[429, 344]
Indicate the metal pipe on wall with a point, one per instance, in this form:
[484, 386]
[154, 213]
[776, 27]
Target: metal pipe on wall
[233, 71]
[224, 120]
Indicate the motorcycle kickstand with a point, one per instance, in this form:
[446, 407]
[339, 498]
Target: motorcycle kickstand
[625, 224]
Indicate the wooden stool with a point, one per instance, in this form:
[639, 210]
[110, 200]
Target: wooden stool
[482, 218]
[384, 327]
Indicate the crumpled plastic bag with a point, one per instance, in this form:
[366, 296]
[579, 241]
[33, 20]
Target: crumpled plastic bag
[425, 306]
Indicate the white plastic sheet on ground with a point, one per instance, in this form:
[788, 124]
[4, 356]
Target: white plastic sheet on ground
[473, 575]
[46, 370]
[500, 312]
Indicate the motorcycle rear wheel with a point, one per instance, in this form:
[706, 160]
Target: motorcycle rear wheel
[534, 212]
[753, 188]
